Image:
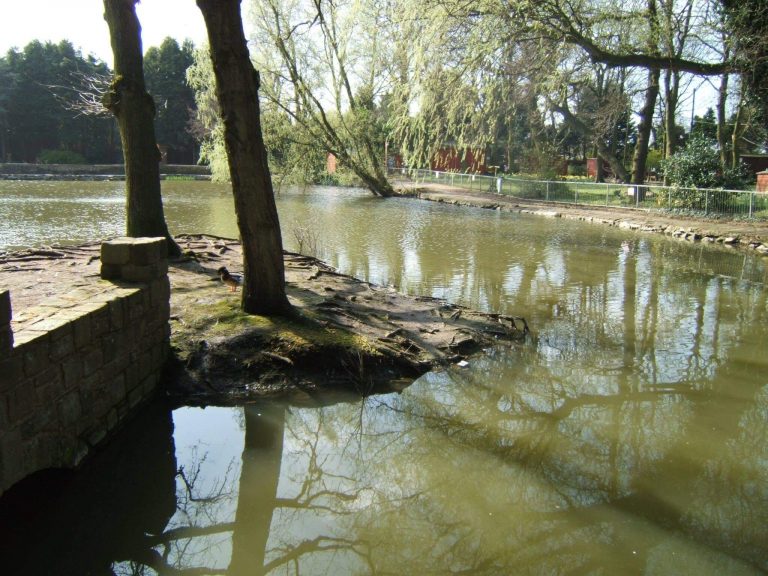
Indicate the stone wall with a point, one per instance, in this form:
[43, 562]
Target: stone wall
[75, 367]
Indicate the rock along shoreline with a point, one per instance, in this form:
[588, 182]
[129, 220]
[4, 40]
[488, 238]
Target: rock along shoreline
[747, 235]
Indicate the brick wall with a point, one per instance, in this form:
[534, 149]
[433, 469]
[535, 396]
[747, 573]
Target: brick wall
[75, 367]
[762, 181]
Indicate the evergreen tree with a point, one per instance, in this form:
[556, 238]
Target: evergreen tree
[35, 85]
[165, 70]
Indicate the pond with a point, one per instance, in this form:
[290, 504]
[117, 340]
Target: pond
[629, 435]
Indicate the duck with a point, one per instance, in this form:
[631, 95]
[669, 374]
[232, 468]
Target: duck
[231, 280]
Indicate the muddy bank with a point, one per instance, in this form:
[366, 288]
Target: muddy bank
[743, 234]
[346, 334]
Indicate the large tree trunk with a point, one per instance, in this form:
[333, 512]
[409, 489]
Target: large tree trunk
[237, 87]
[134, 109]
[640, 157]
[603, 151]
[671, 93]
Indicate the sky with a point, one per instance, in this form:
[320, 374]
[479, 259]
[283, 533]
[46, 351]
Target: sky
[82, 23]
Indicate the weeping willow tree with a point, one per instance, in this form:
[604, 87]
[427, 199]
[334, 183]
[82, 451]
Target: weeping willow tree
[322, 81]
[463, 84]
[324, 78]
[497, 60]
[292, 159]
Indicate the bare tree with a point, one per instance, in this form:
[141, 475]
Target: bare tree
[134, 109]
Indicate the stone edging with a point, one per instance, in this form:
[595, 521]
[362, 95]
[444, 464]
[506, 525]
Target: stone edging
[688, 233]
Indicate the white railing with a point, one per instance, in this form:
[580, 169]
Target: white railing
[670, 199]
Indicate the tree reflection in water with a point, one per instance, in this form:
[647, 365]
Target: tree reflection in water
[625, 443]
[629, 436]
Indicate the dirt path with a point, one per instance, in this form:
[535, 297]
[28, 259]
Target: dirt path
[751, 235]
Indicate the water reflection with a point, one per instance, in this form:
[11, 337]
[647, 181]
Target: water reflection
[629, 436]
[111, 511]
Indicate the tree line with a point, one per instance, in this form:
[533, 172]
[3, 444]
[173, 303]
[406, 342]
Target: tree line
[352, 77]
[49, 112]
[528, 85]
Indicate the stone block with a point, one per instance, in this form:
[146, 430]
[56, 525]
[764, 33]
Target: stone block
[6, 313]
[69, 410]
[131, 376]
[144, 251]
[62, 347]
[82, 331]
[11, 457]
[116, 367]
[116, 314]
[116, 252]
[35, 354]
[149, 384]
[136, 396]
[144, 272]
[145, 364]
[37, 423]
[112, 345]
[11, 372]
[136, 309]
[71, 450]
[93, 359]
[21, 403]
[160, 291]
[116, 389]
[97, 434]
[51, 376]
[6, 340]
[100, 321]
[111, 271]
[112, 419]
[72, 372]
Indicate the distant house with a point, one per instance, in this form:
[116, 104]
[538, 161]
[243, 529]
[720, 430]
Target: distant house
[450, 159]
[762, 181]
[755, 162]
[331, 164]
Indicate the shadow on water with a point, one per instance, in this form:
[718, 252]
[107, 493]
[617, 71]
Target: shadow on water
[81, 523]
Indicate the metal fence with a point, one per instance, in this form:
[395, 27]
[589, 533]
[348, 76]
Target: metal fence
[670, 199]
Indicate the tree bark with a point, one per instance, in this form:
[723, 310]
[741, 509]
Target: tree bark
[722, 135]
[237, 87]
[134, 109]
[603, 150]
[644, 127]
[671, 93]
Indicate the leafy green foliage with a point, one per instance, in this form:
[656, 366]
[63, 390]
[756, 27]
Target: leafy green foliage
[165, 69]
[36, 84]
[696, 170]
[61, 157]
[698, 166]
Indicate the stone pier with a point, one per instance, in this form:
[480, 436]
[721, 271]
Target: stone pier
[77, 366]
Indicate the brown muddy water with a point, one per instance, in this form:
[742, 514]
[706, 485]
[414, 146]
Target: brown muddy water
[629, 435]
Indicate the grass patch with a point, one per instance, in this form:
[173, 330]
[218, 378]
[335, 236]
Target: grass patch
[302, 333]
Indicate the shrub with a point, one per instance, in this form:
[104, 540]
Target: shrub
[698, 166]
[61, 157]
[577, 170]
